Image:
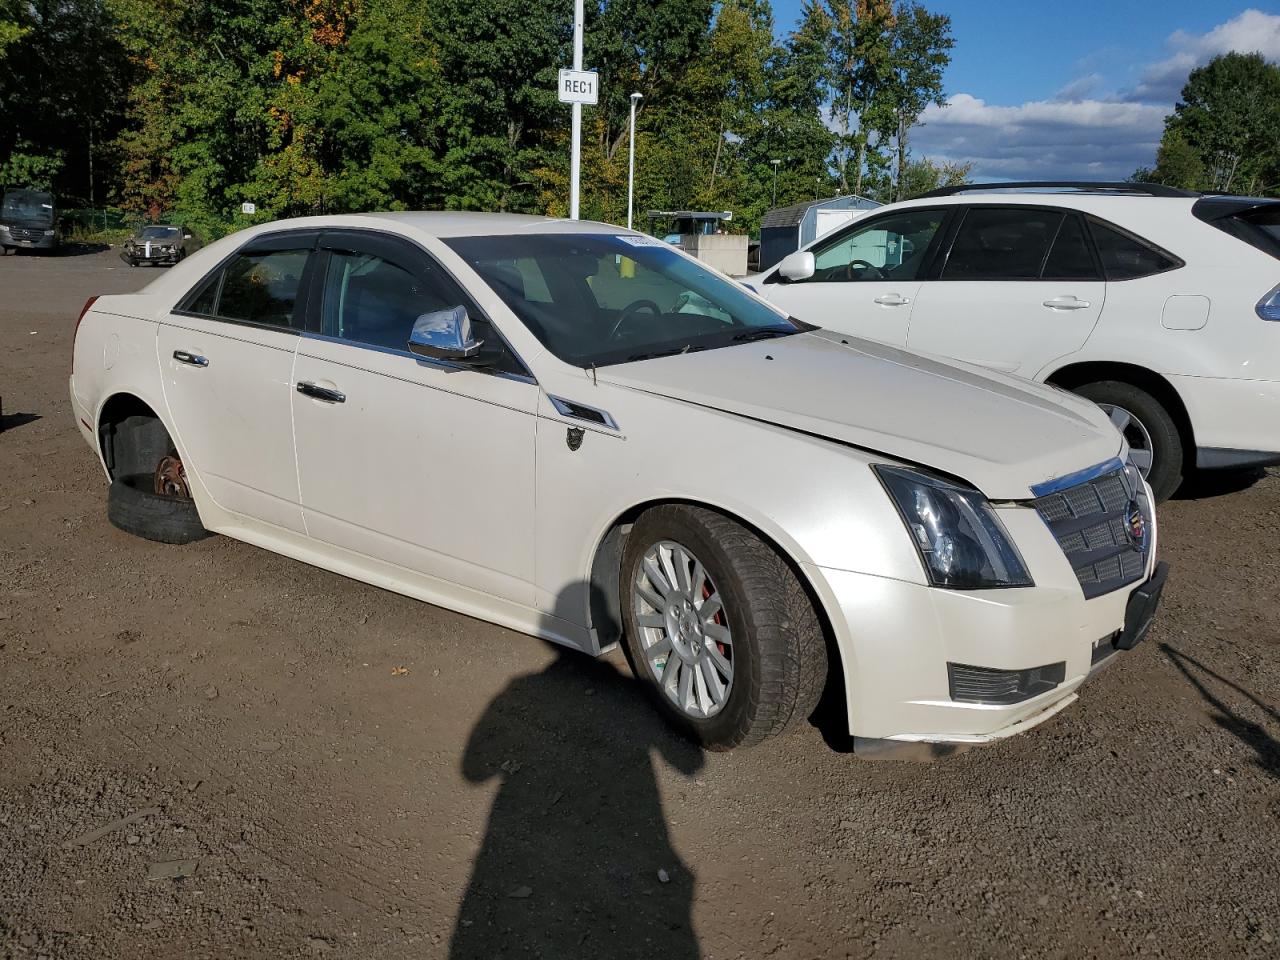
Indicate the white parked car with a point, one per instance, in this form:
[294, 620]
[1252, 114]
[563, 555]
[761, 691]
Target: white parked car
[583, 434]
[1159, 304]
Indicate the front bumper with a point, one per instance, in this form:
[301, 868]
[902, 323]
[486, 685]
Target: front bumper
[24, 241]
[137, 256]
[901, 644]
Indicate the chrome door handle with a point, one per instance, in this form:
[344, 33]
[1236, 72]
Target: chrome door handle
[1066, 303]
[892, 300]
[194, 359]
[321, 393]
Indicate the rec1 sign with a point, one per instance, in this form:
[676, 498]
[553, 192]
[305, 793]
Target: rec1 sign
[579, 86]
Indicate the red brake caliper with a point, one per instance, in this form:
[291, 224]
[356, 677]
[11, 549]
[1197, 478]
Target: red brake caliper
[717, 619]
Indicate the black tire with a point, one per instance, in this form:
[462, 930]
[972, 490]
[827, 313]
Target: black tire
[134, 507]
[1168, 454]
[779, 650]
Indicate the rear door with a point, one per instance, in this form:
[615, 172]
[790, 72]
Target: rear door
[866, 276]
[1016, 288]
[424, 464]
[226, 359]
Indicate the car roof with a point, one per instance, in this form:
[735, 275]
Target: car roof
[460, 223]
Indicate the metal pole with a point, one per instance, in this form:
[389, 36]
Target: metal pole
[575, 158]
[631, 160]
[775, 180]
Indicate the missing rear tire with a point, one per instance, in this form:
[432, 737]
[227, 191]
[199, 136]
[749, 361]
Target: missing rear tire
[134, 507]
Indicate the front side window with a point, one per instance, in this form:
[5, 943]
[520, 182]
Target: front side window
[596, 299]
[1125, 257]
[887, 248]
[370, 300]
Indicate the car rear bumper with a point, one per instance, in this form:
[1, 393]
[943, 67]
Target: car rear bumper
[929, 670]
[1236, 422]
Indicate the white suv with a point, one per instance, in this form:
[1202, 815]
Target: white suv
[1158, 304]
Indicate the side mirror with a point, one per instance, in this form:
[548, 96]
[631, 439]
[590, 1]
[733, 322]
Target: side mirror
[444, 335]
[187, 236]
[797, 266]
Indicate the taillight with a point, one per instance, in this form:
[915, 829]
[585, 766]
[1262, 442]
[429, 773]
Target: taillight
[88, 304]
[1268, 307]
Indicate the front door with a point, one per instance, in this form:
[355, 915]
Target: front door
[423, 464]
[226, 360]
[1019, 288]
[866, 276]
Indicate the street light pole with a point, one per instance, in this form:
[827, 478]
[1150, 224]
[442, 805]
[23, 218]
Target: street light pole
[775, 180]
[575, 157]
[631, 160]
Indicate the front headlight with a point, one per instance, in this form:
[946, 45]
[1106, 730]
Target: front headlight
[48, 233]
[961, 541]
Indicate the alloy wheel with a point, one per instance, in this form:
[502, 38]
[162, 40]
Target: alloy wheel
[684, 631]
[1141, 449]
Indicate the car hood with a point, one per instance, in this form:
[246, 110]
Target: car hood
[1001, 434]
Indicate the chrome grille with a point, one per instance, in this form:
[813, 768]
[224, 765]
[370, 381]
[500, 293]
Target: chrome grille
[1096, 523]
[25, 233]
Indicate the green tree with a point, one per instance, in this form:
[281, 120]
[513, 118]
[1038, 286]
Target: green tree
[62, 81]
[1228, 115]
[861, 53]
[921, 45]
[923, 175]
[1177, 162]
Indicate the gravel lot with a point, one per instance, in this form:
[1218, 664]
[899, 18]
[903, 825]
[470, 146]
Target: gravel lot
[499, 799]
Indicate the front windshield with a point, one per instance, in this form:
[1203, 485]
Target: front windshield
[597, 299]
[157, 233]
[31, 205]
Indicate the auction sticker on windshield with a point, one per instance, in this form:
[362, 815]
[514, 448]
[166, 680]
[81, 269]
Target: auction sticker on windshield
[638, 241]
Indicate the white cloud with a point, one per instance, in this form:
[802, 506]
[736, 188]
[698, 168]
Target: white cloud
[1081, 88]
[1251, 32]
[1080, 134]
[1082, 139]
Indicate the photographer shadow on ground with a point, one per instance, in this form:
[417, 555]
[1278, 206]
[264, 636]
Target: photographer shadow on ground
[577, 859]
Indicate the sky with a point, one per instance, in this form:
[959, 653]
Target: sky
[1049, 89]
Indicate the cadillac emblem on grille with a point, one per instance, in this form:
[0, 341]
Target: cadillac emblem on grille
[1137, 526]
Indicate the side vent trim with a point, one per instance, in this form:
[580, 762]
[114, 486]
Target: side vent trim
[581, 411]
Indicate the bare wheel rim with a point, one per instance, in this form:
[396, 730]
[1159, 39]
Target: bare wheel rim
[1141, 450]
[684, 630]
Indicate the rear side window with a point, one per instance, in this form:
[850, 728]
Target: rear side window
[253, 287]
[1070, 257]
[1126, 257]
[1002, 244]
[262, 287]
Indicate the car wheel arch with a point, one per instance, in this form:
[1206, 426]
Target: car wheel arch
[1074, 375]
[605, 602]
[126, 454]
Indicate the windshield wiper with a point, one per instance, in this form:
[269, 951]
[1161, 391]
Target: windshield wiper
[767, 334]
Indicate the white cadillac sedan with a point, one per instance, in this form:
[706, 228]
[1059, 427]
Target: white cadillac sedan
[580, 433]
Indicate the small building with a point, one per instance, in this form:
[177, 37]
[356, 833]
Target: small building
[787, 229]
[703, 234]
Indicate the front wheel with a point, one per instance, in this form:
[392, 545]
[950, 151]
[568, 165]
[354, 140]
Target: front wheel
[1153, 436]
[719, 627]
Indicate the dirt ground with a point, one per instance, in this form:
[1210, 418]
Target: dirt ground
[356, 774]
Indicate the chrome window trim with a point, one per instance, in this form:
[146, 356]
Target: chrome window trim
[424, 361]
